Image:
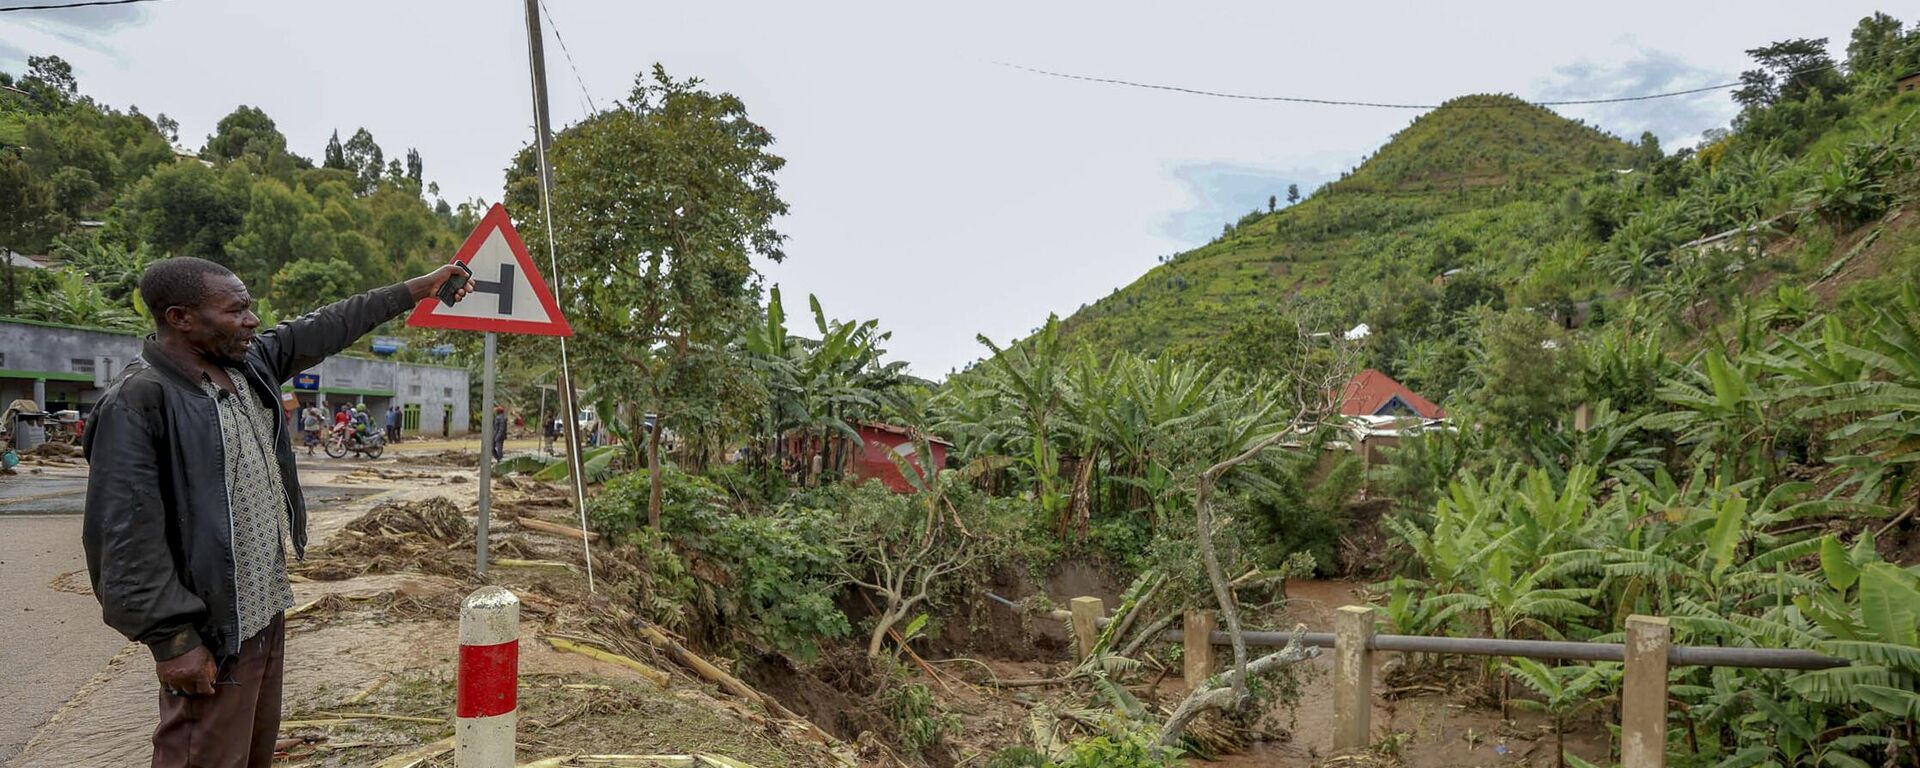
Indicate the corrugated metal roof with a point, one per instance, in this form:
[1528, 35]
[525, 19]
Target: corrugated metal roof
[1370, 391]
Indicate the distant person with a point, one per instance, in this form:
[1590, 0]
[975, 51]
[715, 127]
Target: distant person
[499, 432]
[340, 418]
[549, 431]
[393, 424]
[187, 557]
[311, 421]
[361, 422]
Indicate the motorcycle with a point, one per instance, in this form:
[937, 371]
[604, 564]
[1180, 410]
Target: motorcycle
[340, 442]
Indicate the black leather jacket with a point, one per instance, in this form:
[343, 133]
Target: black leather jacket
[158, 531]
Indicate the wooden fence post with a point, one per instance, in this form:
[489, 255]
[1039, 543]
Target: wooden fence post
[1085, 631]
[1197, 647]
[1643, 699]
[1352, 677]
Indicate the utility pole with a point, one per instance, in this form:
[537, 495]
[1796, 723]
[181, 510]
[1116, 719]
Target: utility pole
[543, 141]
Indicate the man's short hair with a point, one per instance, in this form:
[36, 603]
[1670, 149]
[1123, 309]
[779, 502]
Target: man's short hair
[180, 281]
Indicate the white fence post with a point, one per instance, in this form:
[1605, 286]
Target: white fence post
[1643, 698]
[1352, 677]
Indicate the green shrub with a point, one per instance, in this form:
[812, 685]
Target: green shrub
[777, 570]
[621, 507]
[1124, 748]
[1018, 757]
[919, 718]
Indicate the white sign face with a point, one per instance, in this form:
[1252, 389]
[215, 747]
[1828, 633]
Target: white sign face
[501, 289]
[509, 295]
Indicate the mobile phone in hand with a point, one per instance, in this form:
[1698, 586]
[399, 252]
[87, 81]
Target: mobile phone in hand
[450, 290]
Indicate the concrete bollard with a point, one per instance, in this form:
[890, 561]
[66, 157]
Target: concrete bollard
[1352, 677]
[1086, 628]
[487, 700]
[1196, 641]
[1643, 696]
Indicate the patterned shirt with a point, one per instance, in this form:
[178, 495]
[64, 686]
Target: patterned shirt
[256, 505]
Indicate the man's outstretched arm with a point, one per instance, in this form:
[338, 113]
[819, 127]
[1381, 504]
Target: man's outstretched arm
[301, 343]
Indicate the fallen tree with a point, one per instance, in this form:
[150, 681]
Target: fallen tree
[1224, 691]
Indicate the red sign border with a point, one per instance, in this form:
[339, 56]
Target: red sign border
[424, 316]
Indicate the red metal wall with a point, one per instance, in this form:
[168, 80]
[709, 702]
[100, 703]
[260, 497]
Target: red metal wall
[873, 462]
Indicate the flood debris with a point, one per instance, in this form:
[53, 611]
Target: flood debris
[420, 536]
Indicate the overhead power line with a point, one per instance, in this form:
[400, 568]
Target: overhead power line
[58, 6]
[569, 54]
[1376, 104]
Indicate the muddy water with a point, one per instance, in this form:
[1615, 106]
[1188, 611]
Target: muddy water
[1437, 731]
[1311, 602]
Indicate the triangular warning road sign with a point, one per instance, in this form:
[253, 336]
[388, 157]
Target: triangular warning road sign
[509, 296]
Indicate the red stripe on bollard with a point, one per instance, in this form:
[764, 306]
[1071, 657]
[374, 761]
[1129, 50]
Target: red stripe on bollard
[489, 679]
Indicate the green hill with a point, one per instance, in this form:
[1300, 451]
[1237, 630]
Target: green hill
[1473, 180]
[1489, 210]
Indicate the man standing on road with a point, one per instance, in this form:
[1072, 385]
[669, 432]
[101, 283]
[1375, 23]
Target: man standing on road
[196, 493]
[499, 431]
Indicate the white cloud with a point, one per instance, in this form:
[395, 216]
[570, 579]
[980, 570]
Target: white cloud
[1677, 121]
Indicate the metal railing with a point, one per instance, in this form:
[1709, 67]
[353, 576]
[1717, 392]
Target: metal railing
[1647, 655]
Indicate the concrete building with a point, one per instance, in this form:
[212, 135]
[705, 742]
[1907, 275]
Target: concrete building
[63, 366]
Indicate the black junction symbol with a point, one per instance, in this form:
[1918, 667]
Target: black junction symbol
[502, 288]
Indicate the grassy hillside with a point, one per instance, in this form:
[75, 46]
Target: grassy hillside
[1476, 179]
[1528, 213]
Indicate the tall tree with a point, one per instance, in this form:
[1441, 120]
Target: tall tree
[1790, 70]
[27, 218]
[1293, 194]
[246, 132]
[658, 207]
[1272, 203]
[1877, 45]
[416, 168]
[51, 79]
[335, 156]
[363, 157]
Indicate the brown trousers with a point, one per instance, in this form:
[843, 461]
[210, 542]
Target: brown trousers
[237, 725]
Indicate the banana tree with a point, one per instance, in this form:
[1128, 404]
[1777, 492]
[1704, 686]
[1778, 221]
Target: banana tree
[819, 388]
[1883, 406]
[1722, 414]
[1564, 692]
[1028, 379]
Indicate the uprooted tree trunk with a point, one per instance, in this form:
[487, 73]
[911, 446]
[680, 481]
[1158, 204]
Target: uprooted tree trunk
[1210, 556]
[1222, 693]
[903, 585]
[901, 562]
[1315, 392]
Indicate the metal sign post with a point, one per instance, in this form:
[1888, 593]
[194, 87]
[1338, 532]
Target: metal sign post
[486, 465]
[509, 296]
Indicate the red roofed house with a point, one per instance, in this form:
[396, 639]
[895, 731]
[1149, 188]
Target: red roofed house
[1372, 393]
[1380, 411]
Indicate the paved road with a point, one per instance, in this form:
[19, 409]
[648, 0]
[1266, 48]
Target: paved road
[51, 638]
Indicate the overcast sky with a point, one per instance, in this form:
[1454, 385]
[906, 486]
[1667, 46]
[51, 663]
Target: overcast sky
[931, 188]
